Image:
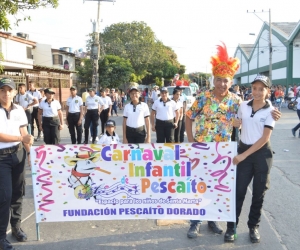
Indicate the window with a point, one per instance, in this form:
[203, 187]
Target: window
[57, 59]
[29, 53]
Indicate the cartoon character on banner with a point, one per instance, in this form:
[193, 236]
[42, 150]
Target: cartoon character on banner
[84, 164]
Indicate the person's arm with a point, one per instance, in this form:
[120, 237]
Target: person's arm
[276, 114]
[81, 115]
[67, 112]
[61, 119]
[17, 138]
[124, 130]
[40, 113]
[256, 146]
[153, 113]
[147, 123]
[34, 101]
[189, 129]
[176, 118]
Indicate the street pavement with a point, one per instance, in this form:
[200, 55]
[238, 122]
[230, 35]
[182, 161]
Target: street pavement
[278, 227]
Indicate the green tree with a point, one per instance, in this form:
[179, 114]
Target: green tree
[114, 71]
[12, 7]
[85, 71]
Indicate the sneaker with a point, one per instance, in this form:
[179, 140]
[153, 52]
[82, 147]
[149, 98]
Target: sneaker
[254, 235]
[41, 135]
[293, 132]
[91, 139]
[38, 138]
[96, 139]
[101, 135]
[5, 245]
[19, 234]
[215, 227]
[229, 235]
[193, 231]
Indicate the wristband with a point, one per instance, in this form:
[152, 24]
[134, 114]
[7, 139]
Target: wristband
[28, 153]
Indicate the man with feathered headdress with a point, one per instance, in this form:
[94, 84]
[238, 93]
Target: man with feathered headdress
[213, 112]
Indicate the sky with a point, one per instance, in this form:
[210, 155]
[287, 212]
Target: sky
[192, 28]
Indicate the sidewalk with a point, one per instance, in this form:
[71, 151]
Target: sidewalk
[144, 234]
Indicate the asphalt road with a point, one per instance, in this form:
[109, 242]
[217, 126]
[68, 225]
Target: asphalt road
[278, 227]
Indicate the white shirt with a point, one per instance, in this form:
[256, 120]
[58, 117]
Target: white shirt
[24, 100]
[36, 94]
[108, 139]
[107, 101]
[50, 109]
[93, 102]
[298, 105]
[164, 111]
[136, 114]
[74, 104]
[253, 124]
[11, 126]
[154, 95]
[291, 93]
[179, 106]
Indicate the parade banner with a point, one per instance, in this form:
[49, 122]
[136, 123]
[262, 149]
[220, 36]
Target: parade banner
[134, 181]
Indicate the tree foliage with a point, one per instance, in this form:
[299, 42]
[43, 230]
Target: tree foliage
[85, 71]
[12, 7]
[114, 71]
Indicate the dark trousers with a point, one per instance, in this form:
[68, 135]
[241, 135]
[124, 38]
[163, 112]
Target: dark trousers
[12, 189]
[114, 108]
[164, 131]
[91, 116]
[73, 119]
[177, 132]
[257, 167]
[136, 135]
[182, 129]
[28, 115]
[51, 132]
[34, 117]
[103, 118]
[298, 125]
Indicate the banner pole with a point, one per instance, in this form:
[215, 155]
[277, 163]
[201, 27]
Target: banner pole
[38, 232]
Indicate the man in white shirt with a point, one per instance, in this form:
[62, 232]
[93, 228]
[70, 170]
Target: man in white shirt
[34, 116]
[106, 112]
[155, 93]
[27, 101]
[74, 115]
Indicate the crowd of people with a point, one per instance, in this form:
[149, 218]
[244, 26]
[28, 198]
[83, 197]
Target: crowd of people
[215, 113]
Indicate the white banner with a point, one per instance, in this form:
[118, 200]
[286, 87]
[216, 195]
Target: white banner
[130, 181]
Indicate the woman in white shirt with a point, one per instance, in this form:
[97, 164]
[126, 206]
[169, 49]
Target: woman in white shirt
[179, 103]
[255, 156]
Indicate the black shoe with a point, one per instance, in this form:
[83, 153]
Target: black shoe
[254, 235]
[19, 234]
[193, 231]
[215, 227]
[5, 245]
[229, 235]
[85, 142]
[294, 132]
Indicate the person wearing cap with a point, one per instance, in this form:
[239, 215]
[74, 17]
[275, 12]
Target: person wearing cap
[166, 113]
[155, 93]
[136, 123]
[42, 91]
[183, 100]
[255, 155]
[105, 114]
[34, 116]
[114, 101]
[214, 113]
[94, 106]
[27, 101]
[50, 118]
[15, 144]
[74, 115]
[110, 137]
[176, 98]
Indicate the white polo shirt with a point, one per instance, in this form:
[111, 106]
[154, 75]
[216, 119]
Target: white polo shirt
[50, 109]
[11, 123]
[164, 111]
[108, 139]
[253, 123]
[93, 102]
[179, 106]
[107, 101]
[136, 114]
[24, 100]
[74, 104]
[36, 94]
[154, 95]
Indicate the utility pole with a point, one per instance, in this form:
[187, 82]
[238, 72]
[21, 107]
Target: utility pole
[270, 40]
[95, 50]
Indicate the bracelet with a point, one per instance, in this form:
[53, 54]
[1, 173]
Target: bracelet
[28, 153]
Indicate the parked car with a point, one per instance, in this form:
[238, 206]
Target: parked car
[187, 91]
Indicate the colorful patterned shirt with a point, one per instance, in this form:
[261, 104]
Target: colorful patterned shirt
[214, 118]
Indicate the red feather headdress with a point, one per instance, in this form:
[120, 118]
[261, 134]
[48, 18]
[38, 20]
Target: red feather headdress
[222, 65]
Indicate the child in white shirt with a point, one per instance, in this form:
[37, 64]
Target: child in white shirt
[109, 137]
